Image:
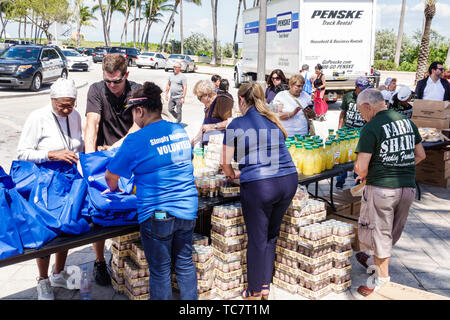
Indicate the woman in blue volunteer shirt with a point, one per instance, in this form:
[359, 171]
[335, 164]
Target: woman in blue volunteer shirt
[160, 157]
[268, 182]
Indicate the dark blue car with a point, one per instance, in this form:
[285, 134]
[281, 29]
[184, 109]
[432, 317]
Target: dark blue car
[28, 67]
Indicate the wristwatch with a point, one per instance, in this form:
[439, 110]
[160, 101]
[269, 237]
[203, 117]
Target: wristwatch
[216, 127]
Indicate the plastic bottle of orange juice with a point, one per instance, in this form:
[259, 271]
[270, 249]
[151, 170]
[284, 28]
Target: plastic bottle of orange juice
[317, 160]
[329, 155]
[298, 156]
[343, 151]
[308, 161]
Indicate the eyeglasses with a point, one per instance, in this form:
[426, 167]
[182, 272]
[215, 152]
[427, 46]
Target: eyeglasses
[442, 69]
[114, 81]
[276, 78]
[200, 97]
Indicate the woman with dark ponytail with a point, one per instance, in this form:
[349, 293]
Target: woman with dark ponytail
[159, 155]
[268, 180]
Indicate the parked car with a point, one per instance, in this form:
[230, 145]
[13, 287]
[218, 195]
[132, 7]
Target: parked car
[86, 51]
[31, 66]
[99, 53]
[76, 61]
[130, 54]
[154, 60]
[187, 64]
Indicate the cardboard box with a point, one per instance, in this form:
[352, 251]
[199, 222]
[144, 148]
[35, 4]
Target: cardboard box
[431, 109]
[436, 171]
[395, 291]
[422, 122]
[354, 222]
[433, 181]
[346, 204]
[434, 156]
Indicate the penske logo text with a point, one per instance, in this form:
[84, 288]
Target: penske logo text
[337, 14]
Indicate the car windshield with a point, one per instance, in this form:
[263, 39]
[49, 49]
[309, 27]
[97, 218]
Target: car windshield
[115, 50]
[17, 53]
[71, 53]
[150, 54]
[176, 56]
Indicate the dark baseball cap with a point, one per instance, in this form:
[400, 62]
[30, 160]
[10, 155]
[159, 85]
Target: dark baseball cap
[363, 83]
[133, 103]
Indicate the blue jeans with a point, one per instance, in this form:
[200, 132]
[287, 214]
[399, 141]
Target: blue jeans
[342, 177]
[164, 241]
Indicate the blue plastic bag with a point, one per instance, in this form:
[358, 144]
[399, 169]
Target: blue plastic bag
[24, 175]
[58, 194]
[10, 243]
[107, 209]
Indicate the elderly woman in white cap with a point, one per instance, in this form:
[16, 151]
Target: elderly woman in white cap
[400, 101]
[53, 133]
[390, 85]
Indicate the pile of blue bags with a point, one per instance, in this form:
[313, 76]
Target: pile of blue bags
[39, 202]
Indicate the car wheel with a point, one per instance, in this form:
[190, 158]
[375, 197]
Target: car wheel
[139, 67]
[64, 74]
[156, 66]
[167, 70]
[85, 70]
[36, 83]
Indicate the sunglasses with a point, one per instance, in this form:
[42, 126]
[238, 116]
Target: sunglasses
[114, 81]
[442, 69]
[276, 78]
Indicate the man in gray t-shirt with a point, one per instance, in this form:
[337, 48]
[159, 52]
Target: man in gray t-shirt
[178, 87]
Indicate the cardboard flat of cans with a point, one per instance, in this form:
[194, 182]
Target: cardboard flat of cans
[138, 297]
[228, 294]
[292, 288]
[140, 261]
[314, 295]
[119, 253]
[128, 237]
[117, 288]
[227, 222]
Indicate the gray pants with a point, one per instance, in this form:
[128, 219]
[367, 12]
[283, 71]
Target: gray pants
[175, 108]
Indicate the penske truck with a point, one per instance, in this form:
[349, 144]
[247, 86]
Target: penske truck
[338, 34]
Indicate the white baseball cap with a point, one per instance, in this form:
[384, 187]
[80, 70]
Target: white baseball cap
[63, 88]
[404, 93]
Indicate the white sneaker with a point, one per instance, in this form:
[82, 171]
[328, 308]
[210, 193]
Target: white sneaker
[60, 282]
[45, 291]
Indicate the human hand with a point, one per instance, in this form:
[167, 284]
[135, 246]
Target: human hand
[207, 127]
[167, 97]
[360, 179]
[109, 191]
[63, 155]
[182, 100]
[102, 148]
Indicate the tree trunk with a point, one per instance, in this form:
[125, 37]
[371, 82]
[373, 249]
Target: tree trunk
[139, 23]
[424, 49]
[105, 26]
[400, 34]
[149, 24]
[124, 30]
[25, 27]
[214, 20]
[236, 27]
[167, 29]
[134, 24]
[181, 27]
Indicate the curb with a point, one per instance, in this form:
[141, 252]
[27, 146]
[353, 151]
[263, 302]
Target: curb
[30, 94]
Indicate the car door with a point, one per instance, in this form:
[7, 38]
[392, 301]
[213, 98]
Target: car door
[46, 65]
[56, 63]
[161, 60]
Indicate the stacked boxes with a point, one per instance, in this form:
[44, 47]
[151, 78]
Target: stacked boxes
[204, 264]
[435, 169]
[312, 258]
[120, 251]
[137, 273]
[229, 242]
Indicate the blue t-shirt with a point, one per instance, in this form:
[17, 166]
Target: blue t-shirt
[260, 147]
[160, 157]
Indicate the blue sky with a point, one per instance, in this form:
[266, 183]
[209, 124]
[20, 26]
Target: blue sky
[198, 19]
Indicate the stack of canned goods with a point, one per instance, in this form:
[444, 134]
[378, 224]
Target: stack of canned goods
[228, 211]
[315, 231]
[339, 228]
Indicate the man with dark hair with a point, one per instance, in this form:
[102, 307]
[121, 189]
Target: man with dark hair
[434, 87]
[216, 80]
[106, 126]
[223, 89]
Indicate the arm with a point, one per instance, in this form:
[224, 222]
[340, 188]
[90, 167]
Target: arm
[341, 119]
[184, 93]
[118, 143]
[324, 81]
[112, 180]
[29, 140]
[91, 131]
[167, 90]
[227, 156]
[288, 115]
[362, 165]
[419, 153]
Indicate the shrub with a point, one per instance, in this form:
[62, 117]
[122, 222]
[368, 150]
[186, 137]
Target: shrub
[386, 65]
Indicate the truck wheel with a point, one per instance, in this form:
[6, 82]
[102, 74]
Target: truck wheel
[237, 84]
[36, 83]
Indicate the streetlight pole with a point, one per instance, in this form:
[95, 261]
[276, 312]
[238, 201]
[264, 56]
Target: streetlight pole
[261, 67]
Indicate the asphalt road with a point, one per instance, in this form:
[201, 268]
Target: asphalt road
[14, 111]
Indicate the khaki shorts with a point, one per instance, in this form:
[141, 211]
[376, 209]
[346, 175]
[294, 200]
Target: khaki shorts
[382, 218]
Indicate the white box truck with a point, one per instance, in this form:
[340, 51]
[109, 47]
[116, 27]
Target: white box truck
[338, 34]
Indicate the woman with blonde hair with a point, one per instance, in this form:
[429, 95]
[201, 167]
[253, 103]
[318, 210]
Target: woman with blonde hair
[218, 109]
[268, 182]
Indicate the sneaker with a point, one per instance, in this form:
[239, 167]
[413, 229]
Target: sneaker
[62, 281]
[101, 275]
[45, 290]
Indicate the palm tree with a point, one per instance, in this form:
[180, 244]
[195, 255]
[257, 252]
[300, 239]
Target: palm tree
[171, 21]
[214, 21]
[107, 12]
[128, 4]
[85, 15]
[197, 2]
[236, 25]
[424, 49]
[155, 7]
[400, 34]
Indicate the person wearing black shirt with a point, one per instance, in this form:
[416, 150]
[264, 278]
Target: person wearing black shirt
[106, 127]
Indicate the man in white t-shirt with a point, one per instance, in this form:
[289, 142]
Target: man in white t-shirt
[291, 104]
[434, 87]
